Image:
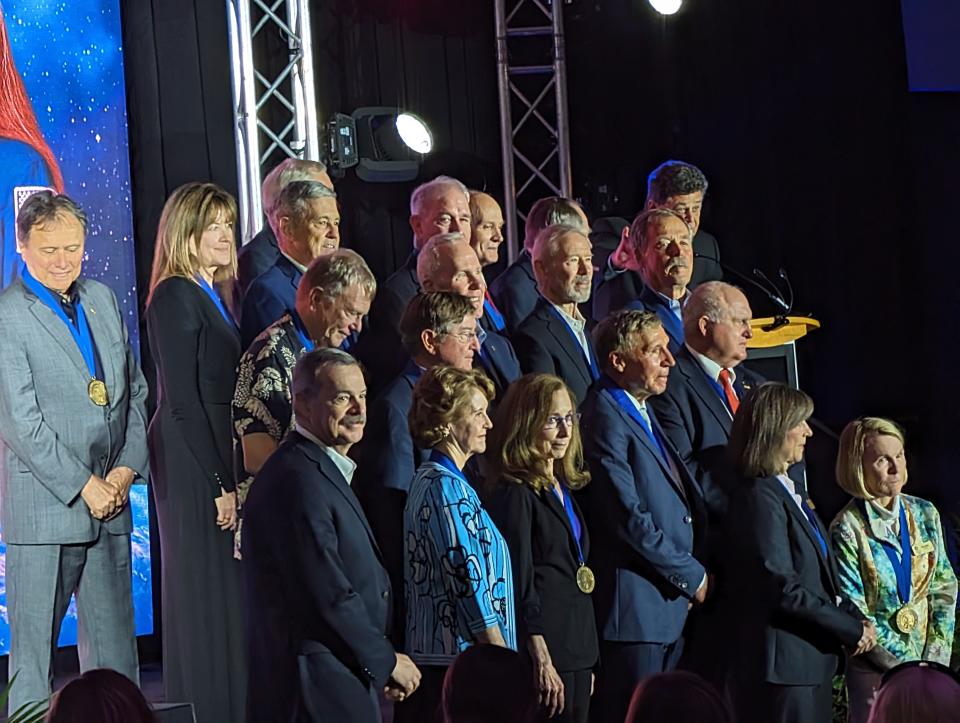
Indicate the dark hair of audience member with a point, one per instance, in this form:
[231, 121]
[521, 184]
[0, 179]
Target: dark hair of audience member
[917, 693]
[100, 696]
[489, 684]
[677, 697]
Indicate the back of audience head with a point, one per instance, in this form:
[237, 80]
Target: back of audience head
[680, 187]
[563, 264]
[487, 227]
[307, 221]
[489, 684]
[917, 692]
[553, 211]
[447, 262]
[677, 697]
[99, 696]
[285, 173]
[334, 295]
[716, 323]
[439, 206]
[662, 245]
[440, 327]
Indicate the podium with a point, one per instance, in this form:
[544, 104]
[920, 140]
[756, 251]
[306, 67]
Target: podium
[772, 352]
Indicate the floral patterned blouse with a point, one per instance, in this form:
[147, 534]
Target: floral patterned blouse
[457, 575]
[868, 579]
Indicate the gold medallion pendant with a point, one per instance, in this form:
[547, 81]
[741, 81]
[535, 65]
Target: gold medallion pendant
[97, 391]
[585, 580]
[906, 619]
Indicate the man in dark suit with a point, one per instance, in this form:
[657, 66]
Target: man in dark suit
[554, 339]
[515, 290]
[644, 511]
[319, 598]
[308, 224]
[261, 252]
[680, 187]
[437, 328]
[448, 263]
[438, 206]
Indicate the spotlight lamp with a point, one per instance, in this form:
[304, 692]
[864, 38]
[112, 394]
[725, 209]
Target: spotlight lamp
[666, 7]
[384, 145]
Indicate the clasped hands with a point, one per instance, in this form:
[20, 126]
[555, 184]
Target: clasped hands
[404, 679]
[868, 640]
[106, 496]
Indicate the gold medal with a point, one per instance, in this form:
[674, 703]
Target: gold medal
[97, 391]
[585, 580]
[906, 619]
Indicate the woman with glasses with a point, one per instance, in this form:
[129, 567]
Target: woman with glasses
[538, 460]
[891, 559]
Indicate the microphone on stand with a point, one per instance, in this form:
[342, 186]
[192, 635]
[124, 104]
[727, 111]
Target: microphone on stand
[768, 288]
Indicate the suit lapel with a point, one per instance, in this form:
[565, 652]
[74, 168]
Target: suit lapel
[697, 377]
[53, 326]
[561, 332]
[103, 338]
[804, 521]
[553, 504]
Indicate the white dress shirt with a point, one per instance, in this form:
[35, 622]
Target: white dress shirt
[346, 465]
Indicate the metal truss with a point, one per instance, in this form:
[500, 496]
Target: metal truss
[274, 100]
[534, 127]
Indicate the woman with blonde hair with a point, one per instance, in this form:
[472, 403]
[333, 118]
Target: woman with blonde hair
[537, 457]
[891, 558]
[457, 578]
[196, 345]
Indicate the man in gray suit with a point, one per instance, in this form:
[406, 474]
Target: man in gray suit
[72, 441]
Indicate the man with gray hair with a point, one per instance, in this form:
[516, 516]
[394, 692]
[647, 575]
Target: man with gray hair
[679, 187]
[261, 252]
[307, 224]
[553, 339]
[73, 432]
[515, 290]
[439, 206]
[319, 598]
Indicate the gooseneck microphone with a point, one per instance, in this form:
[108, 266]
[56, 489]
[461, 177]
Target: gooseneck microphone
[769, 289]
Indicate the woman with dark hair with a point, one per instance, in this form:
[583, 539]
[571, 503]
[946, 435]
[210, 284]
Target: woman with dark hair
[917, 692]
[476, 672]
[457, 578]
[677, 697]
[784, 597]
[196, 346]
[538, 462]
[26, 159]
[101, 696]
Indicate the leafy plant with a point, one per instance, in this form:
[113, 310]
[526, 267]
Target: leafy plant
[26, 713]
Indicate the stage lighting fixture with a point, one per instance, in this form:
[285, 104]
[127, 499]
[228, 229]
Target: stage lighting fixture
[385, 146]
[666, 7]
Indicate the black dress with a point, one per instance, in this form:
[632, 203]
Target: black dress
[191, 456]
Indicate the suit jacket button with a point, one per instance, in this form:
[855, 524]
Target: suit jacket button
[683, 585]
[386, 594]
[687, 519]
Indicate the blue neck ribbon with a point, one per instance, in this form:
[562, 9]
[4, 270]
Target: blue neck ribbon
[215, 298]
[564, 498]
[671, 323]
[305, 339]
[903, 563]
[438, 457]
[80, 332]
[620, 397]
[588, 355]
[812, 519]
[495, 316]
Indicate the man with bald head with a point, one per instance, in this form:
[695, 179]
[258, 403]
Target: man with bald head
[553, 339]
[486, 239]
[438, 206]
[448, 263]
[262, 252]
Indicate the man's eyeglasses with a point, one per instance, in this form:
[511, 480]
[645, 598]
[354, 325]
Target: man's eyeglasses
[464, 337]
[555, 420]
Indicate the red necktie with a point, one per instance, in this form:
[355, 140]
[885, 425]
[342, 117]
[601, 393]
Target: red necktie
[728, 392]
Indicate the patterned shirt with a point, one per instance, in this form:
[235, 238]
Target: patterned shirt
[457, 577]
[867, 578]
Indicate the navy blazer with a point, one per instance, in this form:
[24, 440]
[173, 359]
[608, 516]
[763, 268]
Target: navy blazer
[256, 257]
[497, 357]
[645, 523]
[698, 421]
[544, 344]
[271, 295]
[317, 593]
[515, 292]
[650, 300]
[783, 591]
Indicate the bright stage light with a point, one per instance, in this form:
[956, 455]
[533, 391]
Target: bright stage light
[666, 7]
[414, 133]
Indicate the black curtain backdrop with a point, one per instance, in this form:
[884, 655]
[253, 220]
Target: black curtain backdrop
[819, 159]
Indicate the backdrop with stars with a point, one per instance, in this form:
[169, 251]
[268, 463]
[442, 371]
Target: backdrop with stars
[69, 55]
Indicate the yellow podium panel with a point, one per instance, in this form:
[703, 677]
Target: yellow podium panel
[773, 331]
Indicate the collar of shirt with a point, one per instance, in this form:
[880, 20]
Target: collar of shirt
[576, 323]
[640, 406]
[346, 465]
[711, 367]
[676, 305]
[884, 523]
[791, 487]
[300, 267]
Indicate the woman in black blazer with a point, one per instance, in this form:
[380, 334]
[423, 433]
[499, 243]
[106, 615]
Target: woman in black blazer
[792, 626]
[196, 345]
[538, 460]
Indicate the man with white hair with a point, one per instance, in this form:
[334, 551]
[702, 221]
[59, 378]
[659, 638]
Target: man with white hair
[262, 252]
[553, 339]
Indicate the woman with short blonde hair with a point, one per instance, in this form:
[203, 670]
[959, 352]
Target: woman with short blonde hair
[891, 557]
